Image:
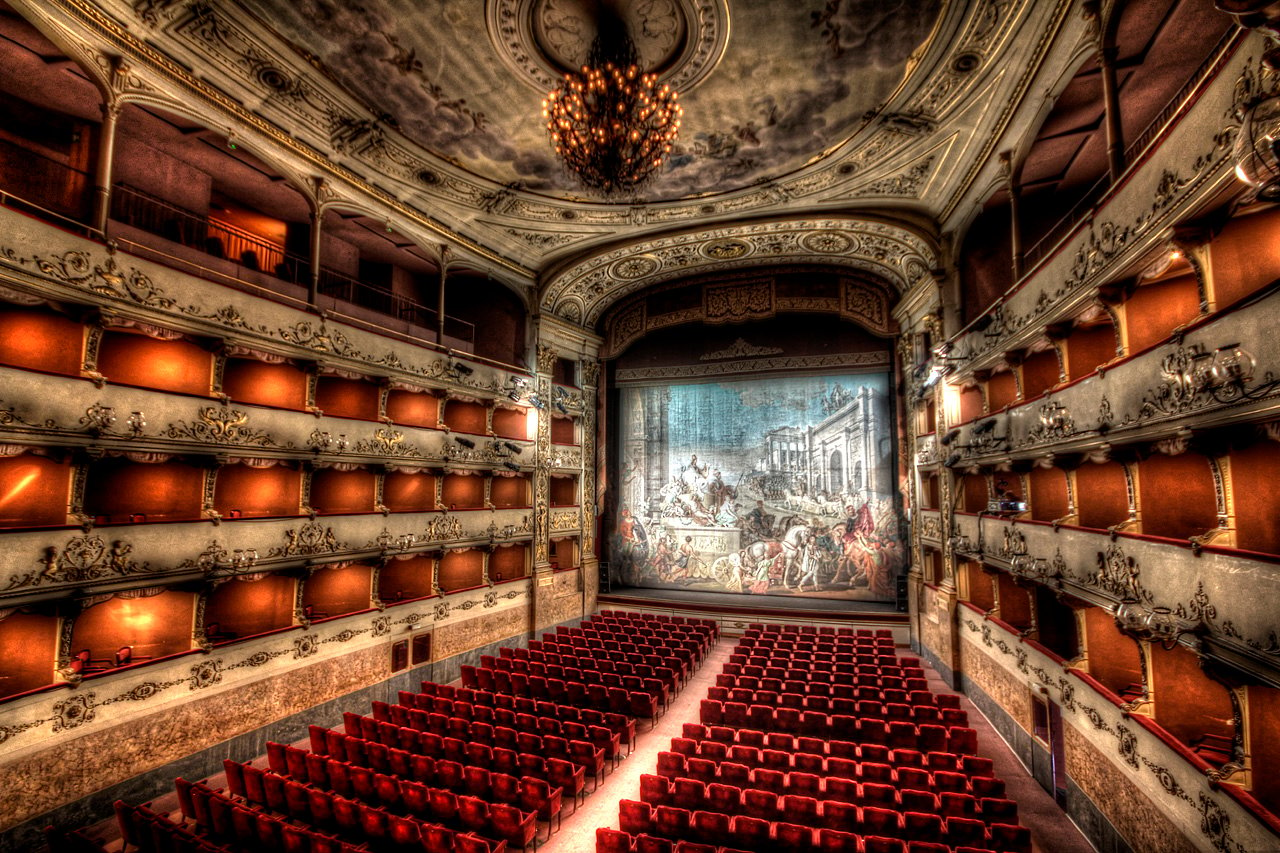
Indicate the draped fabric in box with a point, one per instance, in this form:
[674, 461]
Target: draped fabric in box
[765, 486]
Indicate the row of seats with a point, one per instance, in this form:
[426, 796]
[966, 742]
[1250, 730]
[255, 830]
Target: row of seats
[625, 653]
[787, 742]
[587, 670]
[783, 837]
[672, 670]
[708, 758]
[618, 700]
[757, 802]
[473, 700]
[638, 817]
[640, 634]
[629, 617]
[248, 826]
[873, 708]
[896, 734]
[531, 793]
[482, 728]
[477, 743]
[392, 801]
[145, 830]
[551, 652]
[560, 772]
[767, 655]
[825, 682]
[673, 765]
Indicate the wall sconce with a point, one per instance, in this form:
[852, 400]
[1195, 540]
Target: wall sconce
[137, 423]
[342, 443]
[1224, 374]
[1257, 148]
[242, 559]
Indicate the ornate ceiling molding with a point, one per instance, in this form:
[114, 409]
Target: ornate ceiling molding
[580, 293]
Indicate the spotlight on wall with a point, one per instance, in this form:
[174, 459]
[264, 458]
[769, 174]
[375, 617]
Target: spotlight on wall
[513, 466]
[463, 369]
[514, 448]
[465, 442]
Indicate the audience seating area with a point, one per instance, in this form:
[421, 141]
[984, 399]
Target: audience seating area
[821, 741]
[477, 768]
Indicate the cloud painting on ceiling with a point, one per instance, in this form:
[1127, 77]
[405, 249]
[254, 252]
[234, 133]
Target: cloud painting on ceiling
[795, 79]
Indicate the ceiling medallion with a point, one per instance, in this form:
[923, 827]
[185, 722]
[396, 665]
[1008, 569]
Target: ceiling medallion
[826, 242]
[610, 122]
[541, 40]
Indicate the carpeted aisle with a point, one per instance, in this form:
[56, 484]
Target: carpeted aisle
[1051, 830]
[578, 831]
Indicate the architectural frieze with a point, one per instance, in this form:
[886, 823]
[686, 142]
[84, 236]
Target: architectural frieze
[38, 562]
[1134, 222]
[1207, 816]
[1145, 398]
[40, 720]
[40, 261]
[1207, 598]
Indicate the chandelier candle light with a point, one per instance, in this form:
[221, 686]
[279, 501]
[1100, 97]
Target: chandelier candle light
[611, 123]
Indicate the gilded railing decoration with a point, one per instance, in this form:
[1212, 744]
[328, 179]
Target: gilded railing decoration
[1207, 811]
[82, 560]
[221, 425]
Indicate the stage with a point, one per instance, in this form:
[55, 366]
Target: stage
[735, 612]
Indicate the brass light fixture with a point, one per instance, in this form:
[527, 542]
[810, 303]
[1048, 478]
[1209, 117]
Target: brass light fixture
[612, 123]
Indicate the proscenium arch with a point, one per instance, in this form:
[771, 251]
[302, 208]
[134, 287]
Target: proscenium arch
[891, 250]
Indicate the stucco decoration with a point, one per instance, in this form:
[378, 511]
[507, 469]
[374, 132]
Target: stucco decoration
[428, 73]
[893, 252]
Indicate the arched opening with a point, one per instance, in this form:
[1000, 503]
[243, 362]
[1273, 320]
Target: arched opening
[835, 472]
[249, 605]
[1114, 658]
[35, 489]
[1048, 493]
[257, 488]
[29, 648]
[406, 577]
[337, 590]
[151, 623]
[1102, 491]
[461, 568]
[1189, 477]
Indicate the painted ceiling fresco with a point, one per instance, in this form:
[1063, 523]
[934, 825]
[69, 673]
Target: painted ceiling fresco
[795, 79]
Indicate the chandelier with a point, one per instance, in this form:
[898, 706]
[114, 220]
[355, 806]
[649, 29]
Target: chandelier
[611, 123]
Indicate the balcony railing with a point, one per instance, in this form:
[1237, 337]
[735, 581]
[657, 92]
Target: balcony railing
[1134, 151]
[44, 187]
[222, 240]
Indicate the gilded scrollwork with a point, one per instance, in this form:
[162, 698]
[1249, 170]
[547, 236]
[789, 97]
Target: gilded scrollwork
[222, 425]
[308, 540]
[82, 559]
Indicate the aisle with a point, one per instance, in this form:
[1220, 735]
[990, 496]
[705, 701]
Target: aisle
[578, 830]
[1051, 830]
